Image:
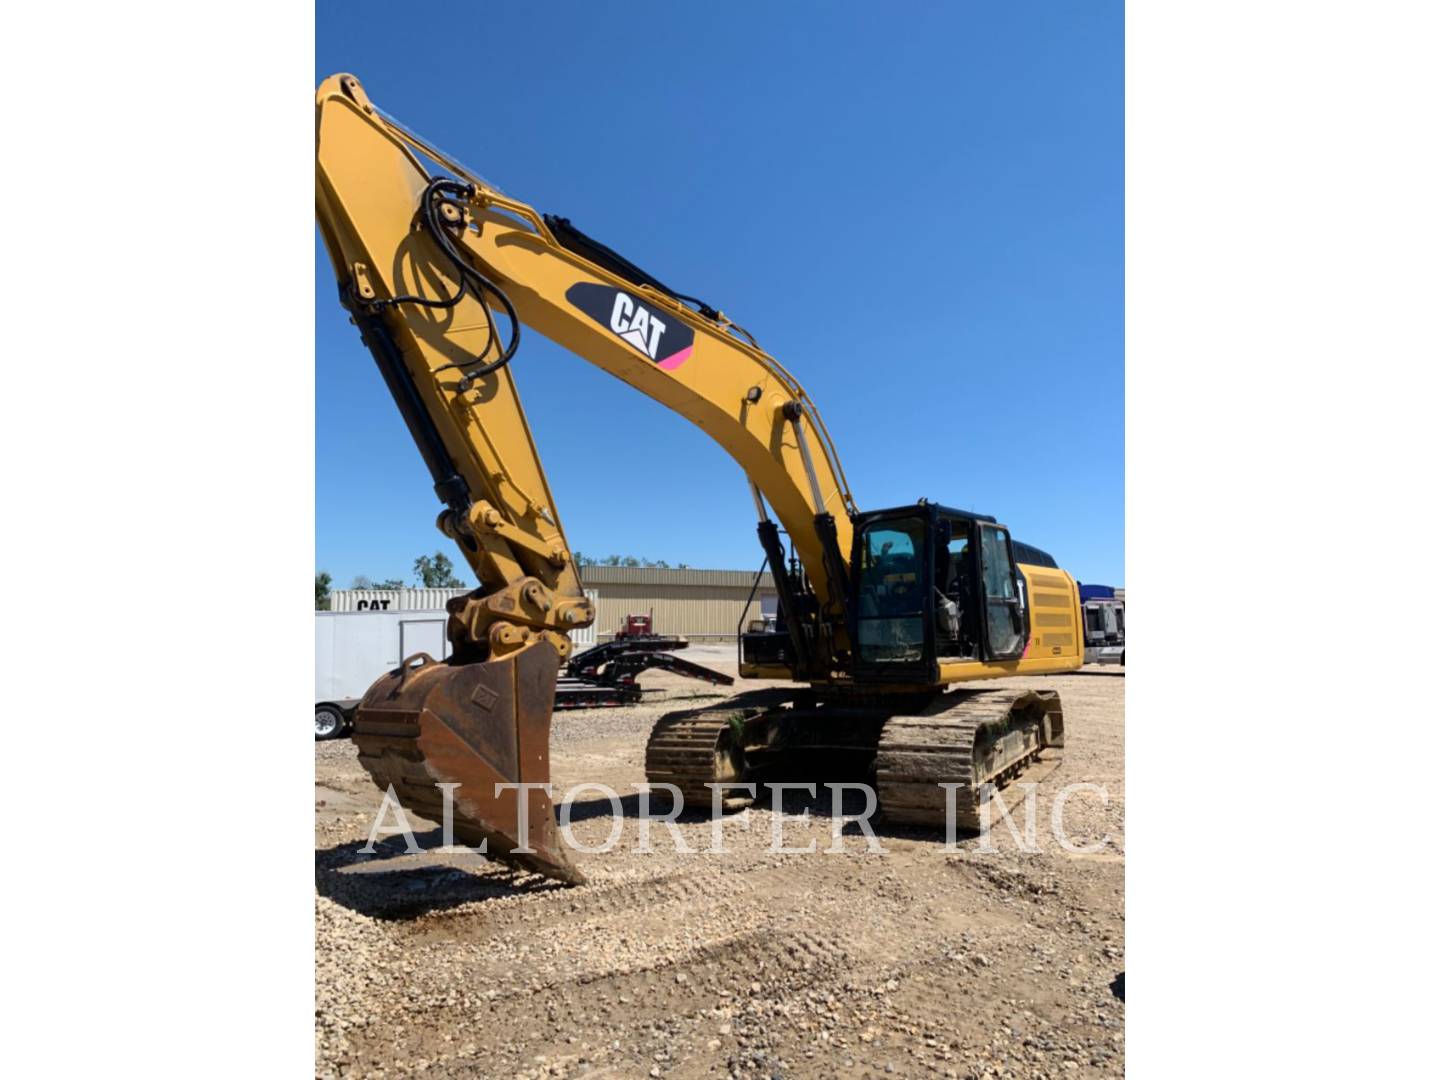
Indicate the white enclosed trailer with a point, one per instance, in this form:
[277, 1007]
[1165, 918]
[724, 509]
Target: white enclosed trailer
[354, 648]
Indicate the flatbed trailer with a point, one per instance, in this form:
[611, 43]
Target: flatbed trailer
[608, 674]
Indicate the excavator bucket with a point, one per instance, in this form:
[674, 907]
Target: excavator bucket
[479, 726]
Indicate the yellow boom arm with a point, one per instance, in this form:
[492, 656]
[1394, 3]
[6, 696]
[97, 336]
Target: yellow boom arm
[371, 193]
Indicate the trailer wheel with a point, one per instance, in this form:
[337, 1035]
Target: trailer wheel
[329, 722]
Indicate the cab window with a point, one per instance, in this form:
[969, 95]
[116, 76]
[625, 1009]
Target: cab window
[1004, 612]
[891, 615]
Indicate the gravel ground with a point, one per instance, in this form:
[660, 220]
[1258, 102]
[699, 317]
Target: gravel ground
[915, 962]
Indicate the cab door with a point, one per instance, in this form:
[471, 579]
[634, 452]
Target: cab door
[1007, 622]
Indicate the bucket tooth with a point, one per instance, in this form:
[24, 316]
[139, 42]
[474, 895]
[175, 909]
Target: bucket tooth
[476, 725]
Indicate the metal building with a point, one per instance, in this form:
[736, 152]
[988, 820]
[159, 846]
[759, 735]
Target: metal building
[702, 605]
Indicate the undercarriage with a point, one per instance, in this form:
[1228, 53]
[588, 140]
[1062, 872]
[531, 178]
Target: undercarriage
[923, 755]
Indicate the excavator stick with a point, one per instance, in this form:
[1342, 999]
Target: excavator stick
[484, 727]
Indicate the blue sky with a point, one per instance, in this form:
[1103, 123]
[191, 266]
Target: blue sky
[917, 208]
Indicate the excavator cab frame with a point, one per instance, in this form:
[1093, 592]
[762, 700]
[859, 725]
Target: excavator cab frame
[927, 576]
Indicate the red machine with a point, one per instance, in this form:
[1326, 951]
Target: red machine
[637, 626]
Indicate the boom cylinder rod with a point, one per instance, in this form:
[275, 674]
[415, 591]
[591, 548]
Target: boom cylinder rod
[450, 486]
[795, 623]
[793, 413]
[759, 501]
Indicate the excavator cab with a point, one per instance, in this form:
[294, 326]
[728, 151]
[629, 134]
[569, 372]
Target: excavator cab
[932, 584]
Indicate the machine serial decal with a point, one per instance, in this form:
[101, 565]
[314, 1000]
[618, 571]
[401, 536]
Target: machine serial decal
[663, 339]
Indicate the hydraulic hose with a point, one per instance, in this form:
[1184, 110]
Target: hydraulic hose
[468, 276]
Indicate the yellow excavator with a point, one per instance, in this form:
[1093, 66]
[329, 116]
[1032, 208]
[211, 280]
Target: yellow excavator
[881, 613]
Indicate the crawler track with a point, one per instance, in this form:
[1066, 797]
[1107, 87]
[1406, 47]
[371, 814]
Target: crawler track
[691, 750]
[698, 746]
[991, 737]
[964, 739]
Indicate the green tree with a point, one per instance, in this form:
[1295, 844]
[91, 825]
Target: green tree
[322, 591]
[581, 559]
[391, 583]
[437, 572]
[362, 582]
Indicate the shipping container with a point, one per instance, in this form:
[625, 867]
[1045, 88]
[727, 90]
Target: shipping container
[392, 599]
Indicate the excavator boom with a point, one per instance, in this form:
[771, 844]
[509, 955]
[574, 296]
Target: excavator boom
[440, 271]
